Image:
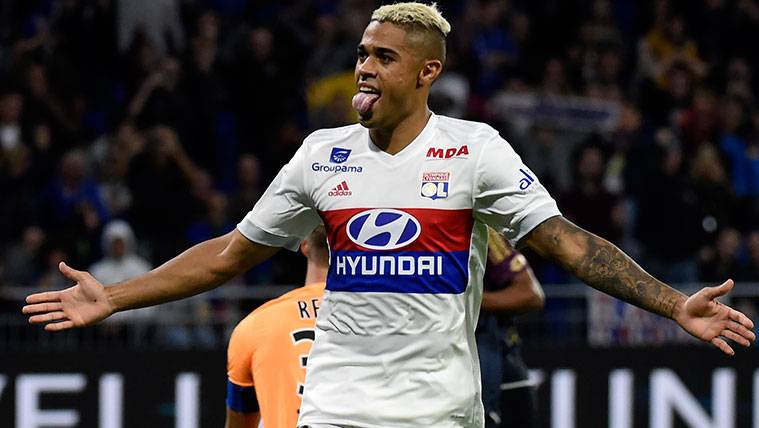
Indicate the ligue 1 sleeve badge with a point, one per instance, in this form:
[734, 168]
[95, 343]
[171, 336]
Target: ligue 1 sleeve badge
[435, 185]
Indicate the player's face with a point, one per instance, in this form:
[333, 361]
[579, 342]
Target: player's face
[386, 73]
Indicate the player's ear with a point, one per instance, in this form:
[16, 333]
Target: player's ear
[304, 248]
[429, 72]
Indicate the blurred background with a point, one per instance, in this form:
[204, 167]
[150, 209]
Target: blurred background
[130, 130]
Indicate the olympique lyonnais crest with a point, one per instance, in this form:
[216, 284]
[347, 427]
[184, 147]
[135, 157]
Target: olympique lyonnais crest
[435, 185]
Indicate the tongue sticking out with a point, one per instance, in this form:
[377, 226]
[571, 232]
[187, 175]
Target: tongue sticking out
[362, 102]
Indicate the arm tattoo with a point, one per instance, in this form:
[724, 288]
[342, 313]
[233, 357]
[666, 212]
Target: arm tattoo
[602, 265]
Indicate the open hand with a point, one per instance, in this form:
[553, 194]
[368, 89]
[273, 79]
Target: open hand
[83, 304]
[711, 321]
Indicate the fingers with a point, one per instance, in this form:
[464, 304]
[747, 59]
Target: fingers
[48, 296]
[58, 326]
[718, 342]
[735, 337]
[742, 319]
[70, 273]
[741, 330]
[52, 316]
[720, 290]
[42, 307]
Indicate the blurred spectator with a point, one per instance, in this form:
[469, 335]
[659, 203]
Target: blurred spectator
[159, 20]
[751, 271]
[75, 209]
[716, 201]
[51, 279]
[741, 147]
[668, 223]
[215, 222]
[249, 187]
[699, 124]
[206, 93]
[159, 99]
[23, 259]
[329, 100]
[11, 106]
[111, 156]
[335, 46]
[45, 104]
[588, 203]
[493, 45]
[666, 46]
[722, 262]
[120, 262]
[160, 212]
[555, 81]
[20, 179]
[450, 94]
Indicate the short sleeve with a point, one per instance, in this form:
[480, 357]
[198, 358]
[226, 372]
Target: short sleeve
[284, 215]
[240, 356]
[508, 196]
[241, 392]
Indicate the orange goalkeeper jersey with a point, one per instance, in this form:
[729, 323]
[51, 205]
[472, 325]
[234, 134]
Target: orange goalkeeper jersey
[267, 355]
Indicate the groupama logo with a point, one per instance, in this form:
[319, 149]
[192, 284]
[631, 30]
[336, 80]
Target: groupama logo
[383, 229]
[339, 155]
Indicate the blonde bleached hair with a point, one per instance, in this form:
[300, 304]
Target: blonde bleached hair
[418, 16]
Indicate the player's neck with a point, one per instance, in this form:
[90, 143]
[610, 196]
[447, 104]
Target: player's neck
[315, 273]
[393, 140]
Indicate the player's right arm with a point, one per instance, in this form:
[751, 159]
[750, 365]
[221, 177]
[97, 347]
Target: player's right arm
[202, 267]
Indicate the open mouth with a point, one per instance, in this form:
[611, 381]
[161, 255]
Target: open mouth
[365, 99]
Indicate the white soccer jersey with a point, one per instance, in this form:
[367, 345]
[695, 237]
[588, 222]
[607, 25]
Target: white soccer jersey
[407, 232]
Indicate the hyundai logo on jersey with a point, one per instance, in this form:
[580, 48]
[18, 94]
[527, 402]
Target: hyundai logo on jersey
[383, 229]
[435, 185]
[525, 182]
[339, 155]
[409, 250]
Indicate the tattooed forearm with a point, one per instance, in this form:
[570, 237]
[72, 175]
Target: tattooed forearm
[602, 265]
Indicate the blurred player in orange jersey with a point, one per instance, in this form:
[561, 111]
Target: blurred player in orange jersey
[266, 360]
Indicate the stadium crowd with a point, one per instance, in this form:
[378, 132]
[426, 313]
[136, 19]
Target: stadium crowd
[130, 130]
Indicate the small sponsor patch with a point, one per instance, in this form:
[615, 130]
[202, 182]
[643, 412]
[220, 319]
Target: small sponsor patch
[435, 185]
[339, 155]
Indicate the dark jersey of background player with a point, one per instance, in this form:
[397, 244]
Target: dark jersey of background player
[510, 288]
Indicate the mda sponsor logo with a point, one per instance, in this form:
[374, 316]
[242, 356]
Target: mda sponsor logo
[461, 152]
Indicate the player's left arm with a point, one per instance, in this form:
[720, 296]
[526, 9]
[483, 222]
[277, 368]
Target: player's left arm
[605, 267]
[242, 420]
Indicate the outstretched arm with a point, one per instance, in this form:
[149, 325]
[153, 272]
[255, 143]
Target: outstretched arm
[200, 268]
[605, 267]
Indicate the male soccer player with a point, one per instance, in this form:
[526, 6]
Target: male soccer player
[510, 288]
[405, 196]
[266, 360]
